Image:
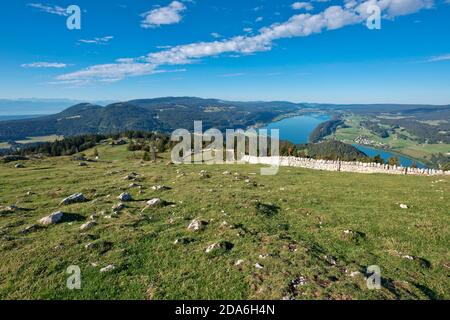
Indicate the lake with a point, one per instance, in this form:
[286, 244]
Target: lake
[297, 130]
[385, 155]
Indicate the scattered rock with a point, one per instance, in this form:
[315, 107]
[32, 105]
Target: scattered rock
[224, 224]
[259, 266]
[239, 262]
[125, 196]
[160, 188]
[118, 207]
[300, 281]
[83, 164]
[183, 241]
[196, 225]
[52, 219]
[131, 176]
[354, 274]
[156, 202]
[30, 229]
[75, 198]
[88, 225]
[19, 166]
[204, 174]
[219, 247]
[9, 209]
[226, 173]
[109, 268]
[403, 206]
[134, 185]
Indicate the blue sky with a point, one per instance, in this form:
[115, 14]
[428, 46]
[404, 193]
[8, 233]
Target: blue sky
[315, 51]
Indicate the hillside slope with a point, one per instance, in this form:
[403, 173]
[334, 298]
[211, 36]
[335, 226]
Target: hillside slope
[312, 233]
[161, 114]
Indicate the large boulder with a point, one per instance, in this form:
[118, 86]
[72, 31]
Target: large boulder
[52, 219]
[75, 198]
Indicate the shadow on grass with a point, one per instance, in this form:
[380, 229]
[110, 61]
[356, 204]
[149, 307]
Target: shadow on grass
[72, 217]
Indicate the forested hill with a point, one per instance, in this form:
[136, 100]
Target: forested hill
[161, 114]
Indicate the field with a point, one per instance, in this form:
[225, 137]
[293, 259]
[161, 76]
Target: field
[407, 147]
[49, 138]
[312, 233]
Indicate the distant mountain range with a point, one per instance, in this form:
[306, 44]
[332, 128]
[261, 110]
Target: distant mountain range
[31, 106]
[169, 113]
[161, 114]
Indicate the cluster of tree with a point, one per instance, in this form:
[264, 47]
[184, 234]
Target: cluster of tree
[376, 128]
[423, 132]
[72, 145]
[325, 129]
[441, 161]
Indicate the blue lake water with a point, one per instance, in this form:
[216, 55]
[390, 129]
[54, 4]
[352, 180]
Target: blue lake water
[385, 155]
[297, 130]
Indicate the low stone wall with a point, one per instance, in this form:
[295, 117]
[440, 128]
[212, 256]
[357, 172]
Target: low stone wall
[344, 166]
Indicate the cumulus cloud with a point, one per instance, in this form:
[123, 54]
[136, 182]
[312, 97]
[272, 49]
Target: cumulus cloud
[300, 25]
[216, 35]
[60, 11]
[102, 40]
[170, 14]
[41, 65]
[302, 5]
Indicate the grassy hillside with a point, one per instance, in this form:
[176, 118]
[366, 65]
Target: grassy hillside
[401, 141]
[311, 232]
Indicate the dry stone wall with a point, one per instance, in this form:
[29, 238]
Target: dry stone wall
[344, 166]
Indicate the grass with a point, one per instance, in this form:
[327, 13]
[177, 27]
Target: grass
[50, 138]
[292, 223]
[4, 145]
[407, 147]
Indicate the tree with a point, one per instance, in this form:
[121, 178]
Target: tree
[394, 161]
[146, 156]
[378, 159]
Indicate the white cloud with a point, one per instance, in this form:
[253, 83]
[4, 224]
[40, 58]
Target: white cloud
[232, 75]
[102, 40]
[259, 19]
[170, 14]
[302, 5]
[216, 35]
[41, 65]
[300, 25]
[49, 9]
[443, 57]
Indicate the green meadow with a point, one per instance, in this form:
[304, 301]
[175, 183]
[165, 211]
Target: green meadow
[300, 234]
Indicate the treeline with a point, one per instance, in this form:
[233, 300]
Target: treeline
[327, 150]
[72, 145]
[325, 129]
[423, 132]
